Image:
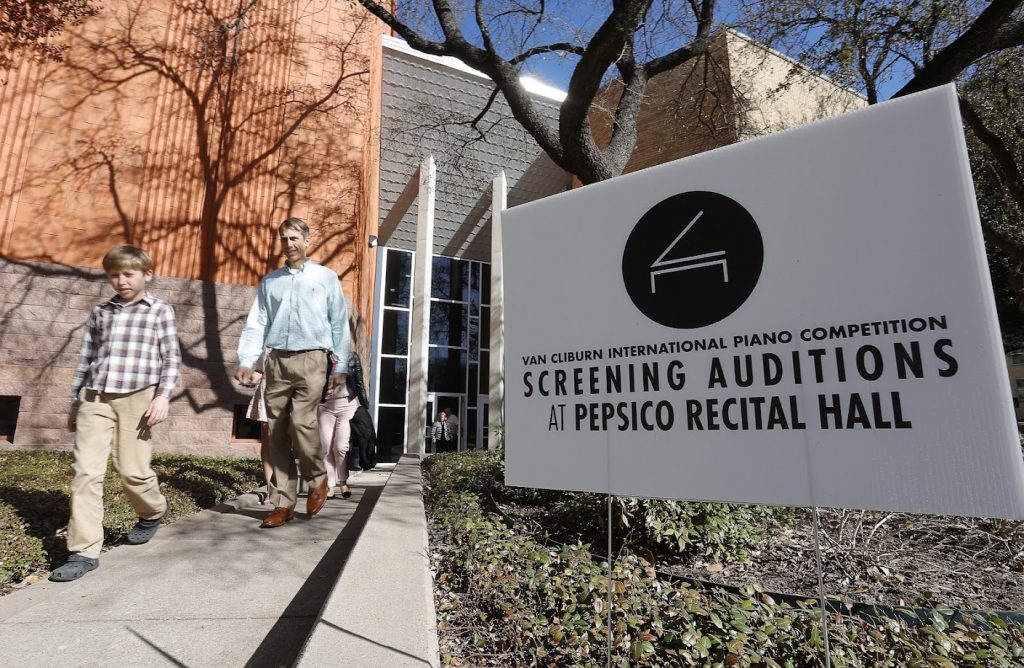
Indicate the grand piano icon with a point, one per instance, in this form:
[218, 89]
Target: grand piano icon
[663, 266]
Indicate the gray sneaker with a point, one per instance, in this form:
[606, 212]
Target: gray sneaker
[77, 565]
[144, 530]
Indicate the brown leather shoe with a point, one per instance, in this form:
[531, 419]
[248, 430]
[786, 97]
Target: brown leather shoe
[278, 518]
[316, 498]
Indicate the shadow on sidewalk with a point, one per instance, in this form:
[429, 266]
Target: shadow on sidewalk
[418, 659]
[156, 648]
[283, 643]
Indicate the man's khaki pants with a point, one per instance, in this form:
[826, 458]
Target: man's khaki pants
[111, 423]
[295, 382]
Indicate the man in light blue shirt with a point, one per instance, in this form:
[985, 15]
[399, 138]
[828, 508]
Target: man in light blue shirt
[299, 316]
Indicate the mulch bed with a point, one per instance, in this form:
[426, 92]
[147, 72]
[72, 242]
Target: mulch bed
[891, 559]
[877, 558]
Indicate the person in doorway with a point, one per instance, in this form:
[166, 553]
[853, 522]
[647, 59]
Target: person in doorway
[300, 316]
[441, 437]
[128, 367]
[453, 426]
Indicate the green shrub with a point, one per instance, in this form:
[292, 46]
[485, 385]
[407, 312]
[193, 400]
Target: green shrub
[22, 552]
[717, 530]
[474, 471]
[722, 531]
[517, 601]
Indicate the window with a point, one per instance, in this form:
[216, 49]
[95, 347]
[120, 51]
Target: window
[485, 327]
[471, 430]
[242, 428]
[449, 279]
[474, 340]
[390, 433]
[446, 370]
[392, 363]
[471, 396]
[392, 383]
[398, 281]
[474, 286]
[485, 373]
[485, 439]
[9, 407]
[394, 337]
[458, 341]
[1017, 359]
[448, 324]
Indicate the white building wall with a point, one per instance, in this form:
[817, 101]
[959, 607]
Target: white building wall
[774, 92]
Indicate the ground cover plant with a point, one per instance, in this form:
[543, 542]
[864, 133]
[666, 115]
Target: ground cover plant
[521, 579]
[34, 497]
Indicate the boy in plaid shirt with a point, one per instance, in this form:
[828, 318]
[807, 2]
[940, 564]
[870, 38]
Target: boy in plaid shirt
[128, 367]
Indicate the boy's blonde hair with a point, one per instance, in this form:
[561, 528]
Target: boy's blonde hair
[294, 224]
[127, 257]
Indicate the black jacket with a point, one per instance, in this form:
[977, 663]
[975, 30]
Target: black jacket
[363, 441]
[355, 381]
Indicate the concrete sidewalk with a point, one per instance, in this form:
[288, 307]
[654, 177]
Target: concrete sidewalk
[215, 590]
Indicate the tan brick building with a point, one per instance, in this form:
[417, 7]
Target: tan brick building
[740, 91]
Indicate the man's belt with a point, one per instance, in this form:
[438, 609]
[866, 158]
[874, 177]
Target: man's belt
[290, 353]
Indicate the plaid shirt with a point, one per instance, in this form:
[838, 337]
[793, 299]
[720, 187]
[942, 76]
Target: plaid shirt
[127, 347]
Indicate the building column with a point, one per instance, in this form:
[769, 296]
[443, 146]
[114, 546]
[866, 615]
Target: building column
[420, 335]
[496, 399]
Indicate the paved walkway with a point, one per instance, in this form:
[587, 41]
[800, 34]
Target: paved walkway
[215, 590]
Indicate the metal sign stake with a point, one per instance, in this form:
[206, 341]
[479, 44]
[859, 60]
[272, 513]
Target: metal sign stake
[609, 581]
[821, 589]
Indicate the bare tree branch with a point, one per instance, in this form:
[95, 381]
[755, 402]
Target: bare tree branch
[559, 47]
[405, 32]
[993, 30]
[705, 21]
[1005, 164]
[571, 144]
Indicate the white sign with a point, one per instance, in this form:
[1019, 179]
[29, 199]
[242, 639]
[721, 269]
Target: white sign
[803, 319]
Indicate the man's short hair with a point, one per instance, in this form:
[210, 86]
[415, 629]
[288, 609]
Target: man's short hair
[294, 224]
[127, 257]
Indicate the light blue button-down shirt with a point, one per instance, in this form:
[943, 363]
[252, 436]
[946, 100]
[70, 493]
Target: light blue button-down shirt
[297, 309]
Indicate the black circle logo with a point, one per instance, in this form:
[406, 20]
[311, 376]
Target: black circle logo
[692, 259]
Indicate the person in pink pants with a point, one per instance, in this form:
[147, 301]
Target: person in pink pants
[333, 416]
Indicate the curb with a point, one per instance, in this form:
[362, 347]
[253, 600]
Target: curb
[380, 611]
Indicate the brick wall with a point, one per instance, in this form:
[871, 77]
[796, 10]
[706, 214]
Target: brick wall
[43, 309]
[775, 93]
[112, 145]
[740, 90]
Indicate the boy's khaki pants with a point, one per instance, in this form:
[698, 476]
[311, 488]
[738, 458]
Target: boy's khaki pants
[106, 423]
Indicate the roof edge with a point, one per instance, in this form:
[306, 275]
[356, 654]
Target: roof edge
[531, 84]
